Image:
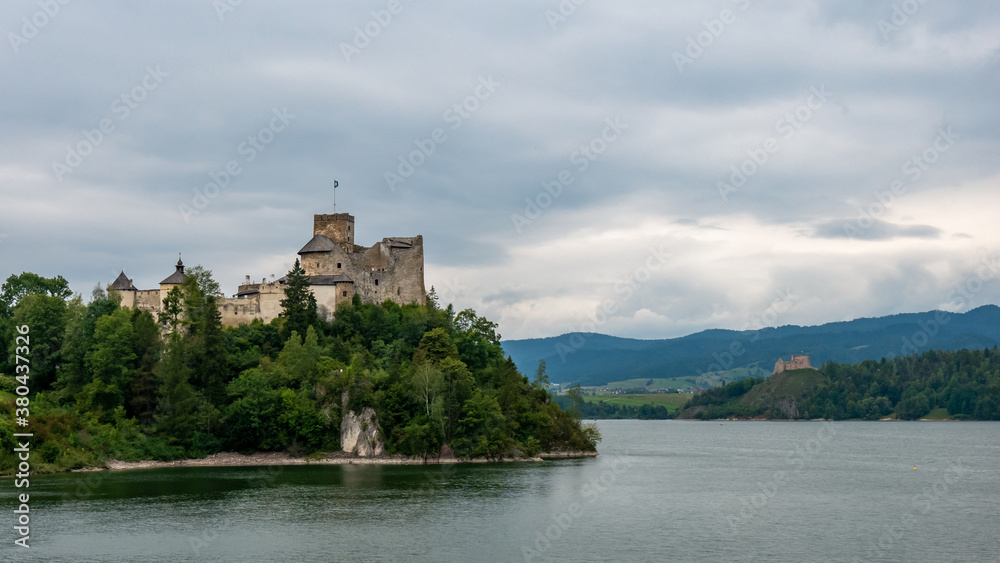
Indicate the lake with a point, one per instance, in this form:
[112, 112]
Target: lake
[660, 491]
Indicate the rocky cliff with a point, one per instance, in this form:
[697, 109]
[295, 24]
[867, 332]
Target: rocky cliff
[359, 434]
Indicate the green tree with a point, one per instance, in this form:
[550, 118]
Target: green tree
[426, 385]
[457, 383]
[253, 419]
[481, 432]
[46, 317]
[177, 400]
[146, 344]
[72, 373]
[109, 362]
[423, 436]
[173, 306]
[299, 358]
[541, 380]
[207, 354]
[27, 283]
[112, 357]
[435, 346]
[12, 292]
[299, 304]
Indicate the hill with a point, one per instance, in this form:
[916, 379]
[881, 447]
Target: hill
[596, 359]
[100, 381]
[961, 384]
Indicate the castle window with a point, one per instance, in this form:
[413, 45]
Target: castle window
[376, 282]
[345, 294]
[338, 264]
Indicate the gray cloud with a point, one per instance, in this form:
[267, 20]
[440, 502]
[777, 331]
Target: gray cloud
[120, 206]
[876, 229]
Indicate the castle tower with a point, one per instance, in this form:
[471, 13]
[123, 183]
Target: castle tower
[172, 280]
[123, 285]
[338, 227]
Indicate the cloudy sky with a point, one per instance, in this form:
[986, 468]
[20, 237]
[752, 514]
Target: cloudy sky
[644, 169]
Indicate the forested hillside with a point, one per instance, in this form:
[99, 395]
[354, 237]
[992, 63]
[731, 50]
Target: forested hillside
[596, 359]
[963, 384]
[109, 382]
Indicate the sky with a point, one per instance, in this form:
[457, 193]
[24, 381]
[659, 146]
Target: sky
[644, 169]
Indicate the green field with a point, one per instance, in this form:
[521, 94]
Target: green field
[709, 379]
[939, 413]
[672, 401]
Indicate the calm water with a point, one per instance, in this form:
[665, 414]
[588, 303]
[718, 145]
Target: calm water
[660, 491]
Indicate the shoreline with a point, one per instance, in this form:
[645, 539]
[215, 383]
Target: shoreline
[260, 459]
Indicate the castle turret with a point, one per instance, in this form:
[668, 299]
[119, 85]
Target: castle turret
[172, 280]
[123, 285]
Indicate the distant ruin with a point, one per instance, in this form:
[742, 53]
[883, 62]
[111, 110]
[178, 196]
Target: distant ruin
[797, 362]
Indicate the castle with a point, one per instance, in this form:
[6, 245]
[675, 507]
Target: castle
[337, 269]
[797, 362]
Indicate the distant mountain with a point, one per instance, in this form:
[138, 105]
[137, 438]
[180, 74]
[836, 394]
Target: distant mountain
[596, 359]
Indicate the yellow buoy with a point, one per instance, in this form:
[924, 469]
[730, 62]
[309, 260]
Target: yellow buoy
[914, 468]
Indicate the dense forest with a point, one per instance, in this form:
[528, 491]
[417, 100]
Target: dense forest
[963, 384]
[108, 382]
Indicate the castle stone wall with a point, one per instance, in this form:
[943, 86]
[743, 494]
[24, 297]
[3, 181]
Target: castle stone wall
[148, 300]
[336, 261]
[390, 271]
[239, 310]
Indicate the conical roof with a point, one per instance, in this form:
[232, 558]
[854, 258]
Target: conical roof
[122, 283]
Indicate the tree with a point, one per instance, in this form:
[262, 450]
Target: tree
[432, 299]
[206, 345]
[146, 343]
[28, 283]
[173, 307]
[467, 320]
[16, 288]
[481, 430]
[203, 279]
[72, 373]
[177, 400]
[541, 380]
[435, 346]
[426, 384]
[299, 304]
[299, 358]
[46, 316]
[457, 384]
[423, 436]
[109, 366]
[112, 358]
[252, 421]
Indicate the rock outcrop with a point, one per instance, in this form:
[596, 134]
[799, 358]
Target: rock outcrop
[359, 434]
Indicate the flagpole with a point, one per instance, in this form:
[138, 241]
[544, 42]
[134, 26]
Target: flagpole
[335, 183]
